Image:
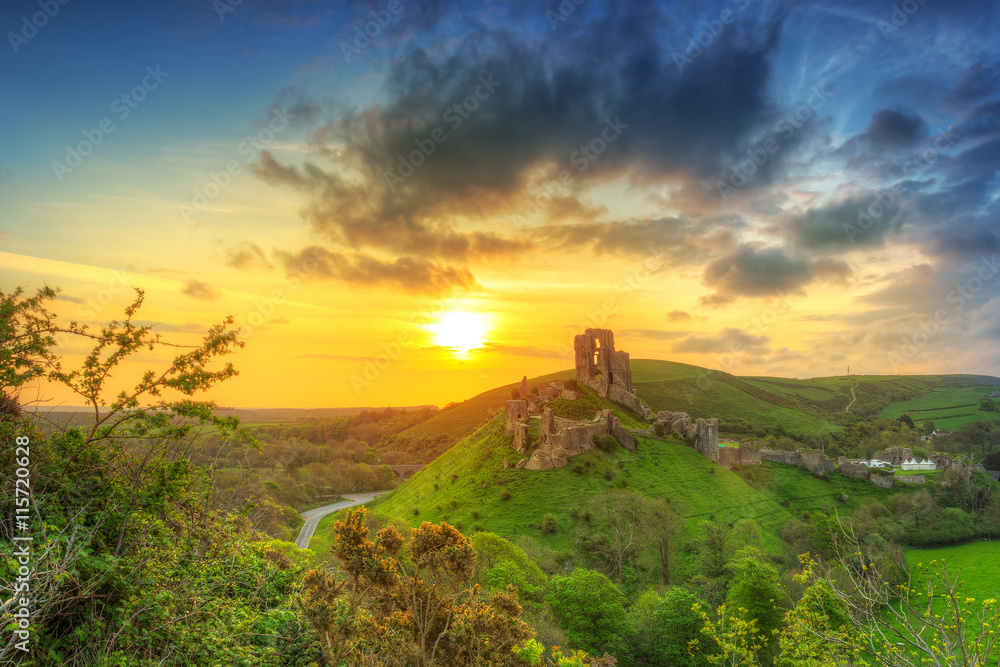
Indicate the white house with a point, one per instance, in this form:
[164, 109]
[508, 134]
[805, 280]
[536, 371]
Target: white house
[913, 464]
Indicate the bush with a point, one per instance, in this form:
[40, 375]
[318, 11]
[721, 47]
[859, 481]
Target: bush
[659, 429]
[454, 478]
[505, 495]
[435, 486]
[475, 515]
[606, 443]
[550, 525]
[416, 511]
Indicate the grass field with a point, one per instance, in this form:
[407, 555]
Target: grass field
[948, 407]
[979, 563]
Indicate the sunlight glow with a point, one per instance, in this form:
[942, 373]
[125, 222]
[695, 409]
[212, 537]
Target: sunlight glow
[461, 331]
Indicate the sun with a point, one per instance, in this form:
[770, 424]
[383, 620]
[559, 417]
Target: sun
[462, 331]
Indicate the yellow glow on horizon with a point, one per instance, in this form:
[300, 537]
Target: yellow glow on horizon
[460, 330]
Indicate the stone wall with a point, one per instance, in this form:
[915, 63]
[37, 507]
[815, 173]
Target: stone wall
[708, 438]
[562, 439]
[885, 481]
[852, 469]
[814, 462]
[606, 370]
[911, 479]
[517, 411]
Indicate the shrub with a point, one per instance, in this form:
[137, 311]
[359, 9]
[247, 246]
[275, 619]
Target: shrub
[475, 515]
[416, 511]
[579, 469]
[505, 495]
[606, 443]
[550, 525]
[435, 486]
[659, 429]
[477, 528]
[453, 503]
[454, 478]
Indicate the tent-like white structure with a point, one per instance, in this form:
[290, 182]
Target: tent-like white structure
[914, 464]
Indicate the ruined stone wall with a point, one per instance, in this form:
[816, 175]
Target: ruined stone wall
[852, 469]
[894, 455]
[516, 411]
[708, 438]
[598, 365]
[911, 479]
[812, 461]
[885, 481]
[565, 438]
[749, 454]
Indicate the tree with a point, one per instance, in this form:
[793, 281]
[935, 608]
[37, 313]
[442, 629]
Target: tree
[906, 419]
[626, 523]
[409, 603]
[756, 587]
[665, 626]
[926, 619]
[121, 514]
[591, 609]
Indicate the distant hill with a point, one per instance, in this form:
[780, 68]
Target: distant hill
[742, 404]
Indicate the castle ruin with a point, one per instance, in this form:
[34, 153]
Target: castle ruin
[606, 370]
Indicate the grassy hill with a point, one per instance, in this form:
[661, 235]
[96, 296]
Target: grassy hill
[799, 407]
[949, 407]
[469, 487]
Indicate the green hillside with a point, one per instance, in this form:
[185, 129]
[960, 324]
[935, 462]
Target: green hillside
[469, 487]
[948, 407]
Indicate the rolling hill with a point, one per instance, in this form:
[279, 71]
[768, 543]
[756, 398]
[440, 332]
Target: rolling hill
[469, 487]
[742, 404]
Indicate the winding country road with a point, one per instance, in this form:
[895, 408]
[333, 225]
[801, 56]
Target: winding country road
[313, 516]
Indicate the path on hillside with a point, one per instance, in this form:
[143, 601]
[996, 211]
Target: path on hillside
[313, 516]
[853, 398]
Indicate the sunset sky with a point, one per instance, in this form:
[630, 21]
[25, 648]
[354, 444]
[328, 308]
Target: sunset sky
[412, 218]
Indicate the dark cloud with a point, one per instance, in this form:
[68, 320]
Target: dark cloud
[246, 256]
[892, 129]
[411, 274]
[674, 241]
[197, 289]
[728, 340]
[760, 272]
[610, 75]
[845, 225]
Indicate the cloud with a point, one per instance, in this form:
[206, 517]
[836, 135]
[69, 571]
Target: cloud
[197, 289]
[411, 274]
[610, 74]
[678, 316]
[247, 256]
[761, 272]
[892, 129]
[844, 225]
[728, 340]
[654, 334]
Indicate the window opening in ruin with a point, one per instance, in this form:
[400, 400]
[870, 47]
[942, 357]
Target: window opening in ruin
[611, 377]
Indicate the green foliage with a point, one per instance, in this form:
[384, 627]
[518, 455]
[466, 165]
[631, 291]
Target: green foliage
[606, 443]
[502, 563]
[665, 626]
[659, 429]
[755, 586]
[550, 524]
[591, 609]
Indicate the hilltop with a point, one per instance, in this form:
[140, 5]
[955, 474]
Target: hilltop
[751, 405]
[469, 487]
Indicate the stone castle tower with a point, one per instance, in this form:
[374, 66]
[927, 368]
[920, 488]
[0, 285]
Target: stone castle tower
[599, 365]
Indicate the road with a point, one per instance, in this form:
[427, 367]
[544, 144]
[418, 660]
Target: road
[313, 516]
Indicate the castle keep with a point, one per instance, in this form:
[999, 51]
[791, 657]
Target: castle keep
[606, 370]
